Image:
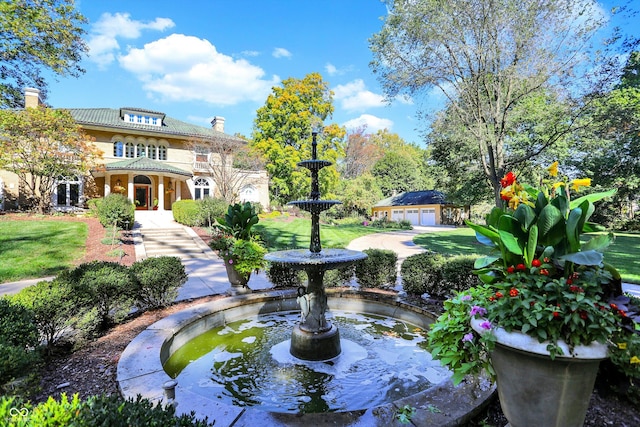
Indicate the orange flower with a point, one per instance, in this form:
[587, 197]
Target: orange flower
[508, 179]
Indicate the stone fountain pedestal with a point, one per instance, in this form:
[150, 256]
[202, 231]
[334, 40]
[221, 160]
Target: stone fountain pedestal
[315, 338]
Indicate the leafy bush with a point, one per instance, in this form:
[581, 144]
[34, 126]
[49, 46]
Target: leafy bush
[102, 410]
[158, 280]
[385, 223]
[52, 306]
[339, 277]
[284, 277]
[239, 220]
[211, 208]
[18, 338]
[115, 209]
[378, 269]
[105, 286]
[438, 275]
[186, 212]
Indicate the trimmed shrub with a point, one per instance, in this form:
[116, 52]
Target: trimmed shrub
[211, 209]
[339, 277]
[115, 209]
[51, 303]
[101, 410]
[378, 270]
[186, 212]
[438, 275]
[106, 286]
[285, 277]
[18, 339]
[157, 281]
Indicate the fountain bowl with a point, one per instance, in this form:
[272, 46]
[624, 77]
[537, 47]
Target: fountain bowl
[140, 369]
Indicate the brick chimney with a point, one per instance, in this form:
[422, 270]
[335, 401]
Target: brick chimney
[32, 98]
[218, 123]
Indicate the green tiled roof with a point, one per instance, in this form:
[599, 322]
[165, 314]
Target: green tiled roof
[147, 165]
[110, 118]
[414, 198]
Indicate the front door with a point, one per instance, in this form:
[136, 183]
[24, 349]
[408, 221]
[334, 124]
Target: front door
[142, 197]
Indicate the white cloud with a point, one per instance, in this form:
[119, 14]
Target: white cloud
[355, 96]
[104, 33]
[372, 123]
[185, 68]
[332, 70]
[281, 52]
[249, 53]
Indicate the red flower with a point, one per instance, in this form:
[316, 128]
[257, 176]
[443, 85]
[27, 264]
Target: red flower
[536, 263]
[574, 288]
[569, 281]
[612, 305]
[492, 298]
[622, 313]
[521, 267]
[556, 314]
[508, 179]
[547, 260]
[511, 269]
[583, 315]
[532, 303]
[544, 272]
[513, 292]
[499, 295]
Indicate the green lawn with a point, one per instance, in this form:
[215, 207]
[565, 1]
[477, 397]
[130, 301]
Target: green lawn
[623, 254]
[34, 249]
[295, 233]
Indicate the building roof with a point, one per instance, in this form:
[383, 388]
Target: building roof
[111, 118]
[414, 198]
[145, 164]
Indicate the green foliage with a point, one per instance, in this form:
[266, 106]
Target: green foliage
[187, 212]
[18, 338]
[115, 210]
[395, 173]
[100, 410]
[239, 220]
[452, 341]
[105, 286]
[282, 134]
[358, 195]
[437, 275]
[247, 256]
[405, 414]
[339, 277]
[157, 281]
[38, 36]
[211, 208]
[378, 270]
[51, 303]
[284, 277]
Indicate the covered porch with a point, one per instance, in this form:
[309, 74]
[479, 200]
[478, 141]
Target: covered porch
[150, 184]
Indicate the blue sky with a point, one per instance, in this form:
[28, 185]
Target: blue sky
[197, 59]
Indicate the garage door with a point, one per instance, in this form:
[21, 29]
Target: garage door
[397, 215]
[413, 215]
[428, 217]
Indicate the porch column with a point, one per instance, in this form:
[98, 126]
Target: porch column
[178, 188]
[130, 190]
[107, 184]
[160, 193]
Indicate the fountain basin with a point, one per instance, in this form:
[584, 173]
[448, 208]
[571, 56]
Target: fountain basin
[140, 370]
[326, 259]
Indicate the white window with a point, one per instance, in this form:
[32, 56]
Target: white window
[249, 193]
[129, 150]
[152, 149]
[141, 150]
[68, 192]
[202, 188]
[118, 149]
[154, 121]
[162, 153]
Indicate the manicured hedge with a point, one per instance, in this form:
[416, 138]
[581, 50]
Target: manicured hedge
[378, 270]
[187, 212]
[438, 275]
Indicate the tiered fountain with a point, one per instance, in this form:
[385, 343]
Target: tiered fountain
[315, 338]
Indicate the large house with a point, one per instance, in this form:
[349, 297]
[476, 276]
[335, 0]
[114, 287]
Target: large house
[428, 207]
[147, 156]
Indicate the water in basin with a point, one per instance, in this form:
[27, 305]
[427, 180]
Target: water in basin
[247, 363]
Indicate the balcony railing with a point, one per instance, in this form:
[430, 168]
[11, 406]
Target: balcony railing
[201, 166]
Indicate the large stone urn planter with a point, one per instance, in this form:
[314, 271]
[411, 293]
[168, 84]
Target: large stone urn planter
[238, 280]
[535, 390]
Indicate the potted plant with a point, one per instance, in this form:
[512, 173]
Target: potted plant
[237, 245]
[548, 309]
[155, 204]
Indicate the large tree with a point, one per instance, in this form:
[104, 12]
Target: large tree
[228, 161]
[486, 57]
[360, 154]
[37, 36]
[41, 145]
[282, 133]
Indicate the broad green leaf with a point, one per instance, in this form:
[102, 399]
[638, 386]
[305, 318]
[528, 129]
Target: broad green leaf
[584, 258]
[510, 242]
[549, 217]
[532, 244]
[592, 197]
[482, 262]
[525, 216]
[598, 243]
[561, 202]
[484, 231]
[573, 231]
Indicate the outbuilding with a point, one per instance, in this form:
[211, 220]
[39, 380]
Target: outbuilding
[428, 207]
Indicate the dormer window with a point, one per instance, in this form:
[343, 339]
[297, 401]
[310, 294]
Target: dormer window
[151, 118]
